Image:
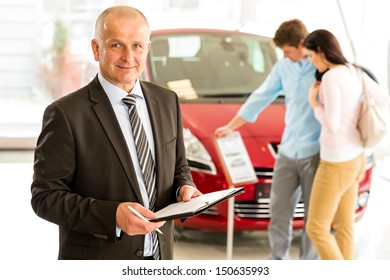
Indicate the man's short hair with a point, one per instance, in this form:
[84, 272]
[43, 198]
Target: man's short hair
[124, 11]
[290, 33]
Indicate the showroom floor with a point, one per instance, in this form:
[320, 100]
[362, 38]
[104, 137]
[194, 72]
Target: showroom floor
[372, 232]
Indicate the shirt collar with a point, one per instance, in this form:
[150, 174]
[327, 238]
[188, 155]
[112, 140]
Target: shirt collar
[115, 94]
[304, 61]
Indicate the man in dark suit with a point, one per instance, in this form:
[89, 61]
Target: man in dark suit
[86, 170]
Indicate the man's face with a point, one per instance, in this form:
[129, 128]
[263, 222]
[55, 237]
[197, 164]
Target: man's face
[122, 50]
[293, 53]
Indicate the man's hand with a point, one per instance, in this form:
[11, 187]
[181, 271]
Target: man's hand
[133, 225]
[234, 124]
[187, 192]
[223, 131]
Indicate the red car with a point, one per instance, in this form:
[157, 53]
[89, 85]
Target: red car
[213, 72]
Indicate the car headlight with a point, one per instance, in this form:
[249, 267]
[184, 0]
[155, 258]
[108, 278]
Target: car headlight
[362, 200]
[197, 156]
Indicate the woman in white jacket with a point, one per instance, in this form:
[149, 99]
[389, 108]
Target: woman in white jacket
[335, 99]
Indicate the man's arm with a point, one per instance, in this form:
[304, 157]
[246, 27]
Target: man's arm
[234, 124]
[53, 198]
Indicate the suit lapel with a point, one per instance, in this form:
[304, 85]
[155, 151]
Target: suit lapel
[108, 120]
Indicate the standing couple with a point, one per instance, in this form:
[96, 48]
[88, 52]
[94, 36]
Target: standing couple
[321, 154]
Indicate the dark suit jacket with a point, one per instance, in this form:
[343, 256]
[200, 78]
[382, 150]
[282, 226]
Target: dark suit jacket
[83, 170]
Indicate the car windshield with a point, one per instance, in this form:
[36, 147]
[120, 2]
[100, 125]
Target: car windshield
[210, 65]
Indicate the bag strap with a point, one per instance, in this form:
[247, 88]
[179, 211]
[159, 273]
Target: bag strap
[360, 74]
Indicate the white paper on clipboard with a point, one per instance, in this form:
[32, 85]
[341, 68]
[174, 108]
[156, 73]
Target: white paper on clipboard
[196, 205]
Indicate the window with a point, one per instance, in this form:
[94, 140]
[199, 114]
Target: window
[213, 63]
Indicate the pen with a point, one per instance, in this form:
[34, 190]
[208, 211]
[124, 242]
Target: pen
[135, 212]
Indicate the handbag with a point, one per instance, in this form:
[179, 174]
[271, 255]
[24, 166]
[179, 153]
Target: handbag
[372, 121]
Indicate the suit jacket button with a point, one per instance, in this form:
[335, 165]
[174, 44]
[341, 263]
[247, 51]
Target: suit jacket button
[140, 253]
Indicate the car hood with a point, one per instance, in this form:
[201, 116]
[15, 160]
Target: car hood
[204, 119]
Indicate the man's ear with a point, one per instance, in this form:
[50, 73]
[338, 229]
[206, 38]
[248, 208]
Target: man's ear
[95, 49]
[300, 44]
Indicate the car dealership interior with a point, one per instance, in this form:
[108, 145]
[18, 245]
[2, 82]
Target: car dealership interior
[32, 34]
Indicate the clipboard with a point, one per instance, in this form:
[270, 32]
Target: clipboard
[182, 210]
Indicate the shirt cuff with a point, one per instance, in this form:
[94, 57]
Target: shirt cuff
[118, 232]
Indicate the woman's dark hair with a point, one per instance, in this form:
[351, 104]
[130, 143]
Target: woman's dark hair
[368, 72]
[323, 41]
[319, 75]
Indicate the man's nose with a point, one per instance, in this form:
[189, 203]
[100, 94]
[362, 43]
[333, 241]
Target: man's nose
[127, 54]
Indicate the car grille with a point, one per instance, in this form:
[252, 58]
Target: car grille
[260, 207]
[250, 210]
[264, 173]
[260, 210]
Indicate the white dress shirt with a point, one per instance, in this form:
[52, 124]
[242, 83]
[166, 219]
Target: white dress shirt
[115, 95]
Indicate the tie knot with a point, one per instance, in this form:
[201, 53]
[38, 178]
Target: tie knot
[129, 100]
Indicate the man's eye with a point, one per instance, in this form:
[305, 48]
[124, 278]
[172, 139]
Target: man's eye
[116, 45]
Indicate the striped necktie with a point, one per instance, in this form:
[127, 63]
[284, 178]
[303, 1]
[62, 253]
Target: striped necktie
[146, 161]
